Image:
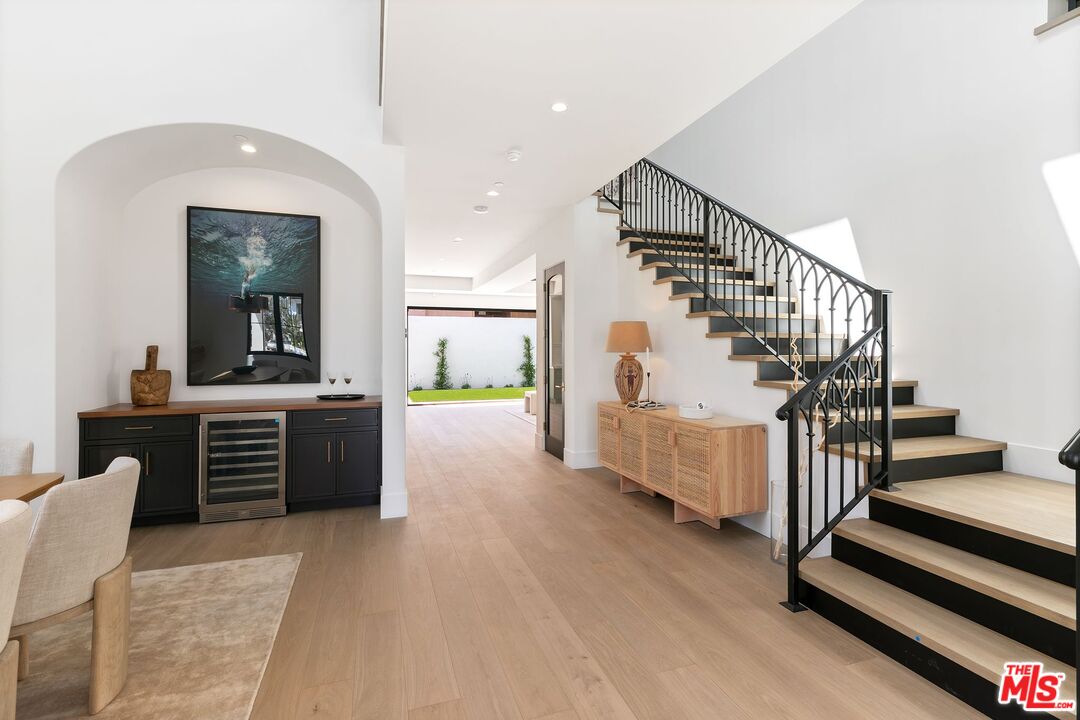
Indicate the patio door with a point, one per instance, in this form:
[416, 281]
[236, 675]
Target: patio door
[554, 380]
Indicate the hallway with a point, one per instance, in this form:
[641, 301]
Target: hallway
[518, 588]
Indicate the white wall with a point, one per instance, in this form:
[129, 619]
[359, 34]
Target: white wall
[585, 241]
[927, 126]
[489, 349]
[114, 66]
[425, 298]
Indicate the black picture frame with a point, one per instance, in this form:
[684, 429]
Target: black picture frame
[212, 302]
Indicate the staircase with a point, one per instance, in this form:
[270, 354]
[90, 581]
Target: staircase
[960, 567]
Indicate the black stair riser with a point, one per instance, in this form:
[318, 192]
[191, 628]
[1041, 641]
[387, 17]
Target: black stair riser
[722, 293]
[1035, 559]
[807, 345]
[944, 466]
[776, 370]
[678, 254]
[955, 679]
[698, 273]
[742, 306]
[761, 324]
[905, 428]
[677, 236]
[1036, 632]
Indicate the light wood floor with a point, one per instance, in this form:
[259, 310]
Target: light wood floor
[517, 588]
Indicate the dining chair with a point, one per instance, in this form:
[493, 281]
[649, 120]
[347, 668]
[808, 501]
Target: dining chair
[76, 562]
[16, 456]
[14, 531]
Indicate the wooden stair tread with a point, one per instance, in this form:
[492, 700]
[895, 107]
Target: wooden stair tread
[904, 412]
[741, 314]
[974, 647]
[922, 447]
[651, 251]
[778, 336]
[786, 385]
[760, 299]
[1034, 510]
[674, 278]
[657, 231]
[664, 263]
[1047, 599]
[764, 357]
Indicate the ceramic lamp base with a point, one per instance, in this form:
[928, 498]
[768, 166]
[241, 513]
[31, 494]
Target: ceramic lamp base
[628, 378]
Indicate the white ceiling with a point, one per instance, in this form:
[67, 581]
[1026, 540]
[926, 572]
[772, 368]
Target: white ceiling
[466, 80]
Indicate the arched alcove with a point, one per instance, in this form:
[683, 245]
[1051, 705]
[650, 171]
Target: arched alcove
[120, 259]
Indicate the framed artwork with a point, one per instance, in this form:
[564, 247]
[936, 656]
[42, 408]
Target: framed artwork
[253, 297]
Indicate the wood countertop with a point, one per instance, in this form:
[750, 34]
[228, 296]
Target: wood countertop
[197, 407]
[716, 422]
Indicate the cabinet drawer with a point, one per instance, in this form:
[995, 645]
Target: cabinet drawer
[137, 427]
[331, 420]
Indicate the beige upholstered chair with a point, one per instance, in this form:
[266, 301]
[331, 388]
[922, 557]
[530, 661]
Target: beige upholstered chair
[14, 531]
[75, 563]
[16, 457]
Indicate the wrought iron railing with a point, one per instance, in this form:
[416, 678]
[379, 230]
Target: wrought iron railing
[821, 329]
[1070, 458]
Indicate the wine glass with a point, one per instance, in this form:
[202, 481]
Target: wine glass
[332, 377]
[347, 377]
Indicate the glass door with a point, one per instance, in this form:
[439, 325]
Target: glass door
[554, 380]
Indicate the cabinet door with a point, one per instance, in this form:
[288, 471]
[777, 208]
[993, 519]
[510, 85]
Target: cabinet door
[660, 455]
[96, 459]
[692, 468]
[631, 444]
[358, 462]
[312, 466]
[168, 479]
[607, 425]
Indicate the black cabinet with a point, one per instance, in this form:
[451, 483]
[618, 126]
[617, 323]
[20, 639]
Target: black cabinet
[312, 467]
[328, 469]
[166, 454]
[358, 462]
[333, 458]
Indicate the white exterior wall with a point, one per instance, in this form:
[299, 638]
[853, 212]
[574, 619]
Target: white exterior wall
[488, 349]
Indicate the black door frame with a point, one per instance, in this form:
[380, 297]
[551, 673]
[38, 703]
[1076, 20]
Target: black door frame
[553, 446]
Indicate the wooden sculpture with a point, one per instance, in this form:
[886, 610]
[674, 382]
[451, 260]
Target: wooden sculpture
[150, 386]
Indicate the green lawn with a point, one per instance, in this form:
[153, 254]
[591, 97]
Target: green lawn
[510, 393]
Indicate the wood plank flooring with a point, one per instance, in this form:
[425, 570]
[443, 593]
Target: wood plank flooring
[518, 588]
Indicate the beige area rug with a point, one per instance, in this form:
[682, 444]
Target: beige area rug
[200, 639]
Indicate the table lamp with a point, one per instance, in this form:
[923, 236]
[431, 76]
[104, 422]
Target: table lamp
[628, 337]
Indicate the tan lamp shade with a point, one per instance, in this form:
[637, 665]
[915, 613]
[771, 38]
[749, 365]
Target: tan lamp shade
[628, 336]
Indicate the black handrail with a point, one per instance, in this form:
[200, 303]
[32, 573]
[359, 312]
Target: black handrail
[752, 282]
[1070, 454]
[833, 269]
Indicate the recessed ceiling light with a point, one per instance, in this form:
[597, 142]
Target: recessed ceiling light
[498, 183]
[456, 240]
[493, 193]
[559, 106]
[513, 154]
[240, 138]
[442, 259]
[248, 147]
[480, 209]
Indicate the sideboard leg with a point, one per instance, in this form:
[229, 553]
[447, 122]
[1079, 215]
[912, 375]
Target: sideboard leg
[684, 514]
[626, 485]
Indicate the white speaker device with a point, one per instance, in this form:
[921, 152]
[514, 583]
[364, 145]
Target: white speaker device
[698, 411]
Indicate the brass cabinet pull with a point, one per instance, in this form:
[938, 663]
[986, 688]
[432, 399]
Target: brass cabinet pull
[342, 451]
[334, 418]
[146, 456]
[327, 451]
[139, 427]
